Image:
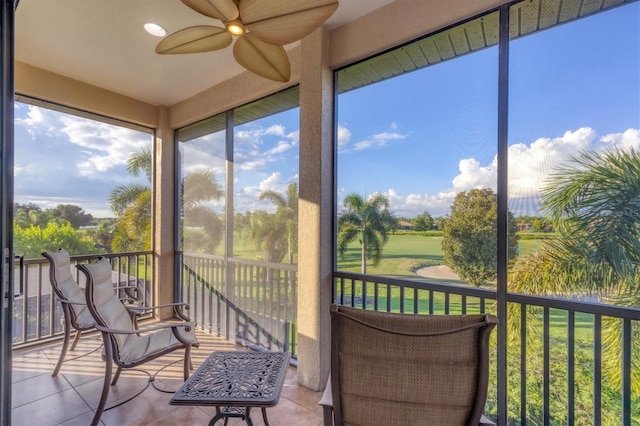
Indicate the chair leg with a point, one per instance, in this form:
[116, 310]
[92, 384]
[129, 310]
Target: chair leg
[117, 376]
[187, 361]
[108, 368]
[327, 416]
[65, 345]
[75, 340]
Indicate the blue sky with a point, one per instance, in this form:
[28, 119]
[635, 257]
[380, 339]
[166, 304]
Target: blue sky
[423, 137]
[420, 138]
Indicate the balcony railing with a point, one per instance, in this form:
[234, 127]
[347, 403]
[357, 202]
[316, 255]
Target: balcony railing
[568, 361]
[550, 343]
[37, 314]
[251, 301]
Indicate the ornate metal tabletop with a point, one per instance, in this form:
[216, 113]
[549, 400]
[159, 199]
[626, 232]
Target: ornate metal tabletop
[236, 379]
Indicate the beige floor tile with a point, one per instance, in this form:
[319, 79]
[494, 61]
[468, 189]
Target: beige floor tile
[51, 410]
[37, 387]
[70, 398]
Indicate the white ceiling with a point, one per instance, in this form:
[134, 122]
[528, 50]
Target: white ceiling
[103, 43]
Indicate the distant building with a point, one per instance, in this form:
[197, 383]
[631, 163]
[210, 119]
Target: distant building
[405, 225]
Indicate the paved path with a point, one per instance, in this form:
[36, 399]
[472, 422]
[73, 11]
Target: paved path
[441, 272]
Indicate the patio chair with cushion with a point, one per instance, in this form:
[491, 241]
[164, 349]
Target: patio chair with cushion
[125, 344]
[405, 369]
[76, 316]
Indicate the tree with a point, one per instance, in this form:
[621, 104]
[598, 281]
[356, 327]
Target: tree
[103, 234]
[206, 226]
[423, 222]
[368, 221]
[540, 224]
[287, 213]
[131, 204]
[469, 241]
[74, 214]
[594, 205]
[33, 240]
[26, 215]
[438, 222]
[267, 230]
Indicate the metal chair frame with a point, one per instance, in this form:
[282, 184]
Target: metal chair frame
[112, 314]
[439, 334]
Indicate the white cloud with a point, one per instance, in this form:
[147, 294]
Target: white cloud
[344, 136]
[380, 139]
[294, 136]
[375, 140]
[413, 204]
[630, 138]
[34, 117]
[281, 146]
[276, 129]
[472, 175]
[254, 134]
[247, 198]
[105, 146]
[271, 182]
[38, 122]
[250, 154]
[529, 167]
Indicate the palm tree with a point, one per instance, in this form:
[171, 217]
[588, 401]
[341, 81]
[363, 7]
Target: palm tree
[198, 188]
[369, 221]
[286, 213]
[594, 204]
[267, 231]
[131, 204]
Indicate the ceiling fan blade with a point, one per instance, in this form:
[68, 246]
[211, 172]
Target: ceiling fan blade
[282, 22]
[202, 38]
[262, 58]
[224, 10]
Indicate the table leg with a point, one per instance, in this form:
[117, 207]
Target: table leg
[264, 416]
[217, 417]
[246, 416]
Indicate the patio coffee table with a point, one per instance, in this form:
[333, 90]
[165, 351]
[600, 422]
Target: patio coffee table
[234, 382]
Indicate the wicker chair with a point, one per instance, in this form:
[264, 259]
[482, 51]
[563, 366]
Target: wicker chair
[125, 344]
[403, 369]
[76, 316]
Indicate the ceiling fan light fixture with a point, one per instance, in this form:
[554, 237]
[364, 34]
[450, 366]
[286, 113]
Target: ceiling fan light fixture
[261, 27]
[155, 29]
[235, 27]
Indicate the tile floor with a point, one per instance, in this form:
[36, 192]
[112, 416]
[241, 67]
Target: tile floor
[71, 398]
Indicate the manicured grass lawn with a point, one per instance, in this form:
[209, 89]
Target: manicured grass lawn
[405, 252]
[400, 256]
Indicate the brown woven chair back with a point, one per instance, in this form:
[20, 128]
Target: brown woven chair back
[404, 369]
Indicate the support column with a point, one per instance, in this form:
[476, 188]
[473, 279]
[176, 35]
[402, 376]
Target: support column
[163, 212]
[315, 210]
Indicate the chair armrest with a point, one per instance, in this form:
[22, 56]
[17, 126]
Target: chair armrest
[175, 306]
[186, 325]
[71, 303]
[166, 305]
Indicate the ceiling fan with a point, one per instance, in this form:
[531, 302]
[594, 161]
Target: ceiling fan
[262, 28]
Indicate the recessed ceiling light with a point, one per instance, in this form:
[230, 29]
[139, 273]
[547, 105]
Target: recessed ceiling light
[155, 29]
